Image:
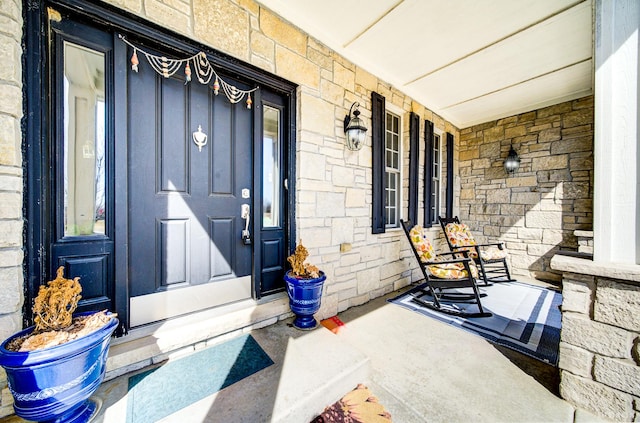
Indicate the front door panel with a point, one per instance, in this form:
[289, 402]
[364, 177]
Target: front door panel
[185, 199]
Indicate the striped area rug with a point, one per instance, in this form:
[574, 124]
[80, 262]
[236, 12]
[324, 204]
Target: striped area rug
[526, 318]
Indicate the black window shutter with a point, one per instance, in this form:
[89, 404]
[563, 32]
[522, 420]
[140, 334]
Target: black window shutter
[414, 152]
[449, 175]
[377, 152]
[428, 172]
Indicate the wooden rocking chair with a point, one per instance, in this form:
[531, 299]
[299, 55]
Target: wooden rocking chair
[491, 258]
[441, 274]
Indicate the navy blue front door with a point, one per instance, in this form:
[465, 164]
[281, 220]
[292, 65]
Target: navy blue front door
[121, 195]
[190, 177]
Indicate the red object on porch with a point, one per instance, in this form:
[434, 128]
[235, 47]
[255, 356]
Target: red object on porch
[332, 323]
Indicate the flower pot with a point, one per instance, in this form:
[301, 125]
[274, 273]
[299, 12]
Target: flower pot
[54, 384]
[304, 299]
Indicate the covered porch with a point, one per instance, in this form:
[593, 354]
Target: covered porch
[569, 108]
[420, 369]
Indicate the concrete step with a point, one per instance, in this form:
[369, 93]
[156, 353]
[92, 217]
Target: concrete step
[317, 370]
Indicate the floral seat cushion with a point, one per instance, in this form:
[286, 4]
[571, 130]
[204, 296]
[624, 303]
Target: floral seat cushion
[426, 253]
[493, 253]
[460, 236]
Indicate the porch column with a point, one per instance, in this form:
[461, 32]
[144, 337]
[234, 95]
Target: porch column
[616, 227]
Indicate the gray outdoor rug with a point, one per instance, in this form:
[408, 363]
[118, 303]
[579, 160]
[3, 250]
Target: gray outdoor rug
[526, 318]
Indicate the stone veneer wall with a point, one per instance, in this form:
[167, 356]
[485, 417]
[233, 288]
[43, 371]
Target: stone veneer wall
[333, 206]
[536, 210]
[333, 184]
[600, 338]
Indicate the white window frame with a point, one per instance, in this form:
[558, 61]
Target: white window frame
[396, 112]
[436, 176]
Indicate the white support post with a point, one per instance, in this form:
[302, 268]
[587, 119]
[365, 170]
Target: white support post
[616, 145]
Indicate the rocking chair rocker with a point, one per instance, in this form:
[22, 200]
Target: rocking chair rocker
[441, 274]
[491, 257]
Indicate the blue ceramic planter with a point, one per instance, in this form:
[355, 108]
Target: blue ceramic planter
[304, 299]
[54, 384]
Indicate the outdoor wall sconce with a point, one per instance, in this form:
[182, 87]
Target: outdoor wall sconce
[354, 128]
[512, 162]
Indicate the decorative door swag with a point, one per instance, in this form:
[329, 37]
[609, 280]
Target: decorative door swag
[204, 71]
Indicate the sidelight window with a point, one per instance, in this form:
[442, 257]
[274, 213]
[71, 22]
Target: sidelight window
[84, 141]
[271, 168]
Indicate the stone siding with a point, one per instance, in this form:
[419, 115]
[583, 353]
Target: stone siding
[11, 223]
[333, 186]
[599, 345]
[333, 191]
[585, 241]
[536, 210]
[333, 207]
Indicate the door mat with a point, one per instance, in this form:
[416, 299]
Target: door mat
[161, 391]
[526, 318]
[358, 406]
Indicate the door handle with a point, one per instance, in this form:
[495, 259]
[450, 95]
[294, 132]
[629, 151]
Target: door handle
[245, 213]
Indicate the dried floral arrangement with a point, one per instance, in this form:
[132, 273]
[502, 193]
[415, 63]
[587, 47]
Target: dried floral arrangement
[298, 265]
[54, 322]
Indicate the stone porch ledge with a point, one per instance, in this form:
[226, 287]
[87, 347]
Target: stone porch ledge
[626, 272]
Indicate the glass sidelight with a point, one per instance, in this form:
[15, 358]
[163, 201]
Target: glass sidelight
[271, 168]
[84, 164]
[272, 242]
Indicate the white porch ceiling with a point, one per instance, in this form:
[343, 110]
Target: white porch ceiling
[470, 61]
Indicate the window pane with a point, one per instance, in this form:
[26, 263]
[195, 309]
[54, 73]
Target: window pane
[393, 162]
[392, 199]
[271, 168]
[84, 141]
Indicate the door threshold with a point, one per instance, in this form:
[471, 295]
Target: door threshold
[157, 342]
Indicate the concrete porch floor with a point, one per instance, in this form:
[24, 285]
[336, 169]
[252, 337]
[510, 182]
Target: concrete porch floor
[420, 369]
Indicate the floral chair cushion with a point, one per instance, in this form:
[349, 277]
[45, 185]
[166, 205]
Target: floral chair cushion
[460, 236]
[422, 244]
[426, 253]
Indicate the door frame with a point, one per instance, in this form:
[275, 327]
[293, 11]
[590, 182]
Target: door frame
[37, 149]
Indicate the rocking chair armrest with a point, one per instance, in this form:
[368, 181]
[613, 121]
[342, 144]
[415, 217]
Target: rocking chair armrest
[453, 254]
[500, 245]
[461, 248]
[461, 260]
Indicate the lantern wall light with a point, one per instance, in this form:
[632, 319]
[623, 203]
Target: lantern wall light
[512, 162]
[354, 128]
